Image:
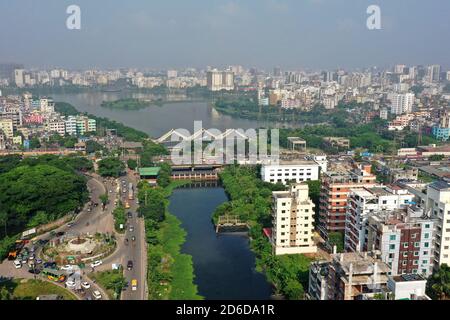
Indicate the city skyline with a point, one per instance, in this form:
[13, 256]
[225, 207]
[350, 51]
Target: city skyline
[308, 35]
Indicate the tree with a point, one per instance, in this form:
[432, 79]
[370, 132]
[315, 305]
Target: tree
[164, 175]
[132, 164]
[294, 290]
[111, 167]
[104, 199]
[438, 285]
[35, 143]
[436, 157]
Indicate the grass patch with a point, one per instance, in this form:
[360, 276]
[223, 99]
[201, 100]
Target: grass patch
[111, 281]
[19, 289]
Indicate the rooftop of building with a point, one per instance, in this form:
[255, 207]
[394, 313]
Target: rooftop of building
[408, 278]
[361, 262]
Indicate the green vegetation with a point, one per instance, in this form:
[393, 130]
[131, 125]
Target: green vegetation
[151, 150]
[119, 218]
[132, 164]
[93, 147]
[336, 239]
[129, 134]
[66, 141]
[19, 289]
[36, 192]
[126, 104]
[113, 281]
[170, 273]
[111, 167]
[436, 157]
[438, 285]
[164, 175]
[250, 200]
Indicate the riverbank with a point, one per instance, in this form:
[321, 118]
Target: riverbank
[250, 200]
[170, 273]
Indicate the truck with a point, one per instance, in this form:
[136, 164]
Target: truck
[12, 255]
[134, 284]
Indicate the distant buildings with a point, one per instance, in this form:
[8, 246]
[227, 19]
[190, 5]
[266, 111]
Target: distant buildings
[293, 219]
[220, 80]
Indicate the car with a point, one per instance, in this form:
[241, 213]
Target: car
[60, 234]
[130, 265]
[38, 261]
[24, 260]
[34, 270]
[110, 191]
[133, 238]
[130, 214]
[89, 210]
[49, 265]
[131, 229]
[70, 284]
[85, 285]
[17, 264]
[96, 263]
[70, 224]
[97, 295]
[66, 267]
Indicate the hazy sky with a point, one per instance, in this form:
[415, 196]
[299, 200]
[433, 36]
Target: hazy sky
[262, 33]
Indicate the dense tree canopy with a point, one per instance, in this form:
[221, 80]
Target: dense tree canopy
[31, 195]
[111, 167]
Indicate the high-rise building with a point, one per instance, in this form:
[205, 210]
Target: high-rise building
[293, 216]
[172, 74]
[334, 194]
[19, 78]
[6, 126]
[401, 103]
[7, 70]
[220, 80]
[434, 73]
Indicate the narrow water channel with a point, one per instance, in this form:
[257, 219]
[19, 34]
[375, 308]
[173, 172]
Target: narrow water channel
[223, 264]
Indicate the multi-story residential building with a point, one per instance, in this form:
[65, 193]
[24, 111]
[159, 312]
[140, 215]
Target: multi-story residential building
[6, 126]
[291, 171]
[293, 216]
[56, 125]
[317, 284]
[19, 78]
[220, 80]
[401, 103]
[364, 201]
[71, 125]
[14, 113]
[434, 73]
[404, 239]
[334, 193]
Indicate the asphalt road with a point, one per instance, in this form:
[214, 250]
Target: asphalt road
[135, 251]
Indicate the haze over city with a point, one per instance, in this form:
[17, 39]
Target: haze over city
[317, 34]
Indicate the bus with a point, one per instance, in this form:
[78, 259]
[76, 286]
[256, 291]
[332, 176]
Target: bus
[127, 205]
[54, 275]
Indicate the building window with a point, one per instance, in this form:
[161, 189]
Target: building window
[392, 247]
[426, 235]
[405, 254]
[404, 263]
[416, 253]
[424, 261]
[427, 226]
[392, 237]
[416, 244]
[405, 245]
[426, 244]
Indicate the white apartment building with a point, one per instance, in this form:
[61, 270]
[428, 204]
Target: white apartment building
[362, 202]
[291, 171]
[401, 103]
[293, 216]
[220, 80]
[437, 204]
[6, 126]
[71, 125]
[56, 125]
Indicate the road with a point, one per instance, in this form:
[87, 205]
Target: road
[135, 250]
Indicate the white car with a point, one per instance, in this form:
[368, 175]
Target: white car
[85, 285]
[66, 267]
[97, 295]
[17, 264]
[70, 284]
[96, 263]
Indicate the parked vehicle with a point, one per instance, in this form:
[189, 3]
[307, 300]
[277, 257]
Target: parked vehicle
[70, 284]
[85, 285]
[97, 295]
[134, 284]
[96, 263]
[67, 267]
[130, 214]
[130, 265]
[17, 264]
[131, 229]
